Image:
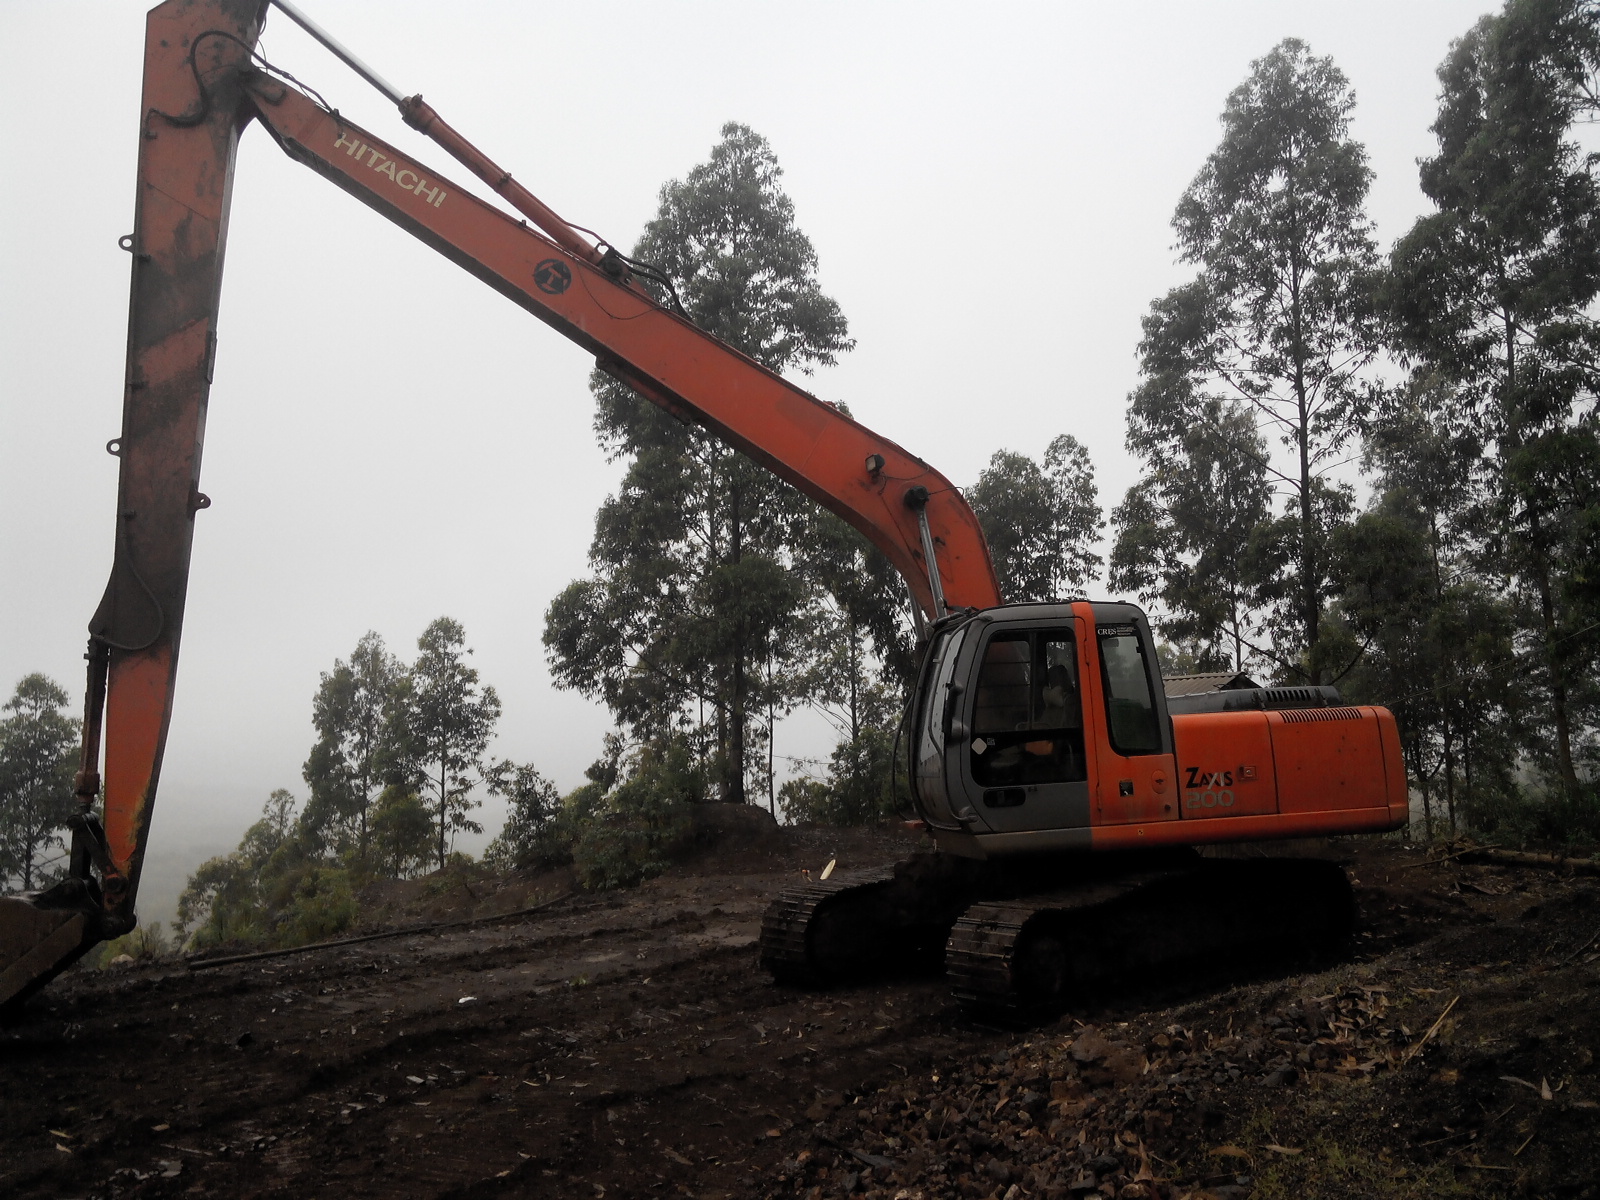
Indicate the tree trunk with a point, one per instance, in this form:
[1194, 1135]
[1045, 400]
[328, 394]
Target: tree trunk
[1311, 608]
[442, 806]
[1450, 778]
[1238, 646]
[772, 740]
[1558, 678]
[1547, 614]
[855, 696]
[738, 719]
[1422, 784]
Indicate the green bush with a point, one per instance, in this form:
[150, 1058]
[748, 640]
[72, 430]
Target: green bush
[143, 944]
[323, 907]
[402, 834]
[858, 789]
[631, 833]
[538, 832]
[1536, 815]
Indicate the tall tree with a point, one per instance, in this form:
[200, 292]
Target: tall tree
[1494, 293]
[38, 756]
[448, 721]
[1041, 519]
[692, 557]
[352, 713]
[1277, 318]
[1183, 533]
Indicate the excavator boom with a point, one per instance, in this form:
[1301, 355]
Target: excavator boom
[203, 84]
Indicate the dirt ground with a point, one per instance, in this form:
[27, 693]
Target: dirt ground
[624, 1045]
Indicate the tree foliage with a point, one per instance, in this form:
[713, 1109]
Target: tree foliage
[38, 758]
[534, 834]
[1184, 533]
[399, 751]
[354, 715]
[1494, 294]
[445, 723]
[1041, 519]
[1277, 325]
[710, 575]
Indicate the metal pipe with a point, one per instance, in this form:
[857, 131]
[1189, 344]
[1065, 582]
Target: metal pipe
[917, 498]
[421, 116]
[339, 52]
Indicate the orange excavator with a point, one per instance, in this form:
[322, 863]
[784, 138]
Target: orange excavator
[1065, 800]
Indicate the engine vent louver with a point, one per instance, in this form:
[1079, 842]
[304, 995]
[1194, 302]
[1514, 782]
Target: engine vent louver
[1301, 715]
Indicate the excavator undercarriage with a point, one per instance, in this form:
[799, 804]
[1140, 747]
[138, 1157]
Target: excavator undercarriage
[1024, 937]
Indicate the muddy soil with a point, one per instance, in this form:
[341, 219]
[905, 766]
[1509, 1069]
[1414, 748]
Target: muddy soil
[624, 1045]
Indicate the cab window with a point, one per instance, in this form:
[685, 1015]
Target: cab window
[1027, 717]
[1130, 709]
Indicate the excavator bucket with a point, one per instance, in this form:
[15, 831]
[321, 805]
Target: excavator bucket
[36, 945]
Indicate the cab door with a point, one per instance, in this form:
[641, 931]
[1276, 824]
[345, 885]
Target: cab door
[1023, 754]
[1135, 780]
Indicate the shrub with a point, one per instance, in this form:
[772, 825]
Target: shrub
[857, 791]
[143, 944]
[537, 833]
[402, 834]
[1537, 814]
[323, 906]
[632, 832]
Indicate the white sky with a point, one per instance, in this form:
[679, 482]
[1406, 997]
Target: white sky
[988, 188]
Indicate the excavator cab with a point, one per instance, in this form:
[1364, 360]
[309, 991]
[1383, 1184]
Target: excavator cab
[1035, 722]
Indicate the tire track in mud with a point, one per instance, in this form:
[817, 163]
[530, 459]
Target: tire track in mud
[627, 1044]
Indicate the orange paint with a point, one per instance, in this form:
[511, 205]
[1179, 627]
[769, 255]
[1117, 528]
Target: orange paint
[138, 695]
[1225, 766]
[1149, 776]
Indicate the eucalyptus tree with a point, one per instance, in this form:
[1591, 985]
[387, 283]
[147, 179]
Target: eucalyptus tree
[348, 765]
[1042, 520]
[1494, 293]
[444, 720]
[693, 589]
[1277, 321]
[38, 757]
[1183, 533]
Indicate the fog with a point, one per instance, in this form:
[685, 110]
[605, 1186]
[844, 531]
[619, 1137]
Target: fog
[988, 189]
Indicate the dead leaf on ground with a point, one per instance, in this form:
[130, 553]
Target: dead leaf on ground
[1542, 1087]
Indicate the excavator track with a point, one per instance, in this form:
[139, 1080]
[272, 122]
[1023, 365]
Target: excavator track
[870, 923]
[799, 943]
[1017, 959]
[1015, 942]
[977, 958]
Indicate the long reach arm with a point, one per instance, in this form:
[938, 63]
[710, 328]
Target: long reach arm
[202, 86]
